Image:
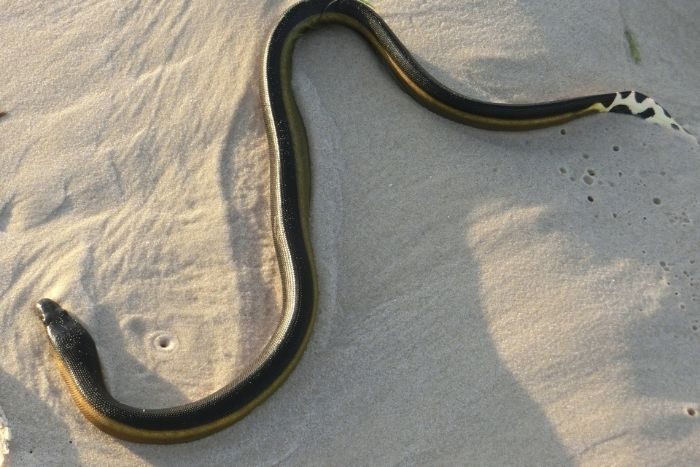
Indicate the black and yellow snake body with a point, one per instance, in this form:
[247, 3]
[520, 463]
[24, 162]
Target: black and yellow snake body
[74, 348]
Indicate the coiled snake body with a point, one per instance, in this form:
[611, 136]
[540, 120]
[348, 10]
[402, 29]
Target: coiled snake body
[74, 348]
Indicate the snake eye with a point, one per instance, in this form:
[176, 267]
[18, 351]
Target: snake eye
[48, 310]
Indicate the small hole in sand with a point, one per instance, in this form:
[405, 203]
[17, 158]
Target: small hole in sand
[586, 156]
[616, 148]
[591, 172]
[563, 131]
[562, 170]
[590, 198]
[164, 341]
[691, 411]
[656, 201]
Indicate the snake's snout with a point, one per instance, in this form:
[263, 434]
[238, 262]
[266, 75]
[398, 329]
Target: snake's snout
[48, 310]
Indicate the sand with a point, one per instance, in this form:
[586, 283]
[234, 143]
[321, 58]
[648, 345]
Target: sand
[5, 437]
[486, 298]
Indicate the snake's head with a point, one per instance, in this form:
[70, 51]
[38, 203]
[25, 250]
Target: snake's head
[49, 311]
[65, 332]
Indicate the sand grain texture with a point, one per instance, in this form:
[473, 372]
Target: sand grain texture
[5, 437]
[486, 298]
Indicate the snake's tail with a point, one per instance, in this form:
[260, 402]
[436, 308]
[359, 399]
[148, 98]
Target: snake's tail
[432, 94]
[642, 106]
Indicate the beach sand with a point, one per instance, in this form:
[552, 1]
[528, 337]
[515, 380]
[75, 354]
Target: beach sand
[486, 298]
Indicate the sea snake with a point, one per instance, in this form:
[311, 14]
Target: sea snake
[75, 350]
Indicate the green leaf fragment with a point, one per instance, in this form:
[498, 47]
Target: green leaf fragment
[634, 49]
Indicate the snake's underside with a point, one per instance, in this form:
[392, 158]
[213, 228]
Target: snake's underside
[75, 350]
